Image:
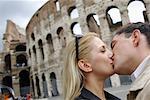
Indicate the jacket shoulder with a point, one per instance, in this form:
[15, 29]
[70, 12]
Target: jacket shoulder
[144, 94]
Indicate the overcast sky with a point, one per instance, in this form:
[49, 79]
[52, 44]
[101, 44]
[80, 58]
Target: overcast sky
[19, 11]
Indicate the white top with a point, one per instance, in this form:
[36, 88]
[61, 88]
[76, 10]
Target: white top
[139, 69]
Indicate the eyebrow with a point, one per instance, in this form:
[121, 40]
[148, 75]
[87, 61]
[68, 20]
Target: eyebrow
[112, 44]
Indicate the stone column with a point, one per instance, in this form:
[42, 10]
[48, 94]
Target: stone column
[125, 17]
[83, 23]
[148, 11]
[16, 86]
[47, 77]
[104, 27]
[46, 52]
[33, 60]
[39, 57]
[35, 88]
[59, 80]
[13, 60]
[41, 84]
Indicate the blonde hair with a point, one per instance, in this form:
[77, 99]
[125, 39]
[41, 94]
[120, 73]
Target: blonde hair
[72, 75]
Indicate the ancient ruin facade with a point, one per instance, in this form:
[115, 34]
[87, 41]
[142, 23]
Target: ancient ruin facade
[57, 22]
[13, 59]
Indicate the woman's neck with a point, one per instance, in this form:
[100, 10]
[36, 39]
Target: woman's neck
[96, 87]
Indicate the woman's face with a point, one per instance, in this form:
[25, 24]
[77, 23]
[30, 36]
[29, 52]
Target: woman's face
[100, 58]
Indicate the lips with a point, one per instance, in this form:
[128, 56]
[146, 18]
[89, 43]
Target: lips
[111, 61]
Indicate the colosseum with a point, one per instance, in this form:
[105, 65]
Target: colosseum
[57, 22]
[13, 60]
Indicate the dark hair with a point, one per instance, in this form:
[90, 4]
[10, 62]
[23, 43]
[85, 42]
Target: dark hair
[129, 28]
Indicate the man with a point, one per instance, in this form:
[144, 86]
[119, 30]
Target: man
[131, 48]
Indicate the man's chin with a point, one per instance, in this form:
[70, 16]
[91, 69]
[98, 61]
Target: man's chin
[118, 71]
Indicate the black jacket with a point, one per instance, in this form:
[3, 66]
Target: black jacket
[88, 95]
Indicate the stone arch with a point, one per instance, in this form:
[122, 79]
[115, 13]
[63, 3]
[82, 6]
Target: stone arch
[24, 82]
[38, 86]
[7, 80]
[53, 79]
[32, 36]
[61, 36]
[93, 23]
[45, 90]
[21, 60]
[50, 42]
[7, 62]
[40, 43]
[76, 29]
[20, 48]
[113, 17]
[137, 11]
[73, 12]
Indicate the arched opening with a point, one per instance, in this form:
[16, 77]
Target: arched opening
[93, 23]
[34, 52]
[57, 4]
[45, 90]
[8, 62]
[7, 80]
[137, 11]
[38, 86]
[33, 89]
[20, 48]
[53, 79]
[50, 43]
[61, 36]
[76, 29]
[73, 12]
[113, 17]
[24, 82]
[21, 61]
[41, 48]
[32, 36]
[29, 52]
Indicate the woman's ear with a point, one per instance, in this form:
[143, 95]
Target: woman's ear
[136, 37]
[84, 66]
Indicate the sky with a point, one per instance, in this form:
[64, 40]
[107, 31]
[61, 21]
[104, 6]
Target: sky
[19, 11]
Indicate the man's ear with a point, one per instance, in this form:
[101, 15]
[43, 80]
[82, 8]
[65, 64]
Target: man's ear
[84, 66]
[136, 37]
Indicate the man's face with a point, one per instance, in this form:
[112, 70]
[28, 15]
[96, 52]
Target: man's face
[123, 50]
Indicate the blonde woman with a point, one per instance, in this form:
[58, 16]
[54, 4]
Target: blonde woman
[87, 65]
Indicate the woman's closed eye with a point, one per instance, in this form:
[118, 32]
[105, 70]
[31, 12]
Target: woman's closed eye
[102, 49]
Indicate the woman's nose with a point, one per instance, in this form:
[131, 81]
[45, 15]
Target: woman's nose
[110, 54]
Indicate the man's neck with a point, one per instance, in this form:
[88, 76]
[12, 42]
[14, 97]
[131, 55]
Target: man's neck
[140, 68]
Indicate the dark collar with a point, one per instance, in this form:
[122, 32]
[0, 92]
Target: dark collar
[88, 95]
